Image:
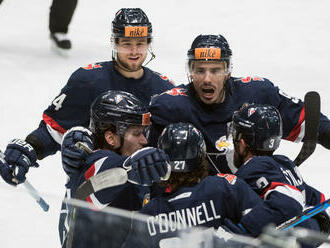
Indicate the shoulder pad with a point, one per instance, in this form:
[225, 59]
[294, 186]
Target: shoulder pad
[92, 66]
[250, 79]
[176, 92]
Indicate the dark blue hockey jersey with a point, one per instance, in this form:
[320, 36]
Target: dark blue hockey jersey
[205, 204]
[277, 180]
[181, 104]
[127, 196]
[72, 106]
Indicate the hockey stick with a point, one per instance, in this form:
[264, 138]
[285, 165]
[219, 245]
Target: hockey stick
[34, 193]
[105, 179]
[304, 216]
[31, 190]
[312, 119]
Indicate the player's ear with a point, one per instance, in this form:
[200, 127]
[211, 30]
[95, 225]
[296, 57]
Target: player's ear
[111, 138]
[243, 144]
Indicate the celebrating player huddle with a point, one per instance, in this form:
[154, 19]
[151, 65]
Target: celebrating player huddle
[178, 146]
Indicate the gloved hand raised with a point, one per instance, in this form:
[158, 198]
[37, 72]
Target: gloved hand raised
[19, 157]
[147, 165]
[73, 158]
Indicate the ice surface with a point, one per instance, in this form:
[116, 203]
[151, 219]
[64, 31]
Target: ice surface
[285, 41]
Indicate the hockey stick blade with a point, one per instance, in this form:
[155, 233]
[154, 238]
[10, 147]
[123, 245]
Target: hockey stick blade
[304, 216]
[31, 190]
[312, 120]
[106, 179]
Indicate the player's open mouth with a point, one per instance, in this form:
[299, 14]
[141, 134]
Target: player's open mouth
[208, 90]
[134, 59]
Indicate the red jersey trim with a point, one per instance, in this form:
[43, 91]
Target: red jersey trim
[54, 125]
[293, 135]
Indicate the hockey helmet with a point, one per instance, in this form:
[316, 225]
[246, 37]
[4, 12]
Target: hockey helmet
[259, 125]
[210, 48]
[119, 109]
[131, 23]
[185, 146]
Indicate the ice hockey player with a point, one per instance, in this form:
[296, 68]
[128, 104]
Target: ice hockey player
[212, 96]
[118, 121]
[131, 39]
[256, 131]
[194, 198]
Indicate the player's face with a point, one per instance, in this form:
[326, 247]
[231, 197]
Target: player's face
[132, 52]
[134, 140]
[209, 79]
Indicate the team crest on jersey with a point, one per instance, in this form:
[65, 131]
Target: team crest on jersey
[222, 145]
[146, 199]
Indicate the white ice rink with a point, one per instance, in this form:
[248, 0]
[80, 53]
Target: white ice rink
[286, 41]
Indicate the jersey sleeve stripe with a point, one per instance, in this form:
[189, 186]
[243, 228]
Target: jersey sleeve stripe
[287, 190]
[53, 124]
[298, 132]
[94, 168]
[96, 203]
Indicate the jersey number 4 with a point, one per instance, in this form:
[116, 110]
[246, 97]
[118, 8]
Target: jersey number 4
[58, 101]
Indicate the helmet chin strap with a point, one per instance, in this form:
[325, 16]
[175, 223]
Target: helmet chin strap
[152, 56]
[115, 59]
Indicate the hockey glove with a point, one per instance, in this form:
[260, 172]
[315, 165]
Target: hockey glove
[73, 158]
[19, 157]
[234, 228]
[147, 165]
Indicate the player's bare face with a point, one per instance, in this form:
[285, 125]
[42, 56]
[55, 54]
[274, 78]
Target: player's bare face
[134, 140]
[131, 53]
[209, 79]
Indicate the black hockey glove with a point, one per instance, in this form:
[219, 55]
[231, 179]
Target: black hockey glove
[147, 165]
[73, 158]
[19, 157]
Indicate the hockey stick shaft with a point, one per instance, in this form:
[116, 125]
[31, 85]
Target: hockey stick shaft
[31, 190]
[304, 216]
[34, 193]
[312, 119]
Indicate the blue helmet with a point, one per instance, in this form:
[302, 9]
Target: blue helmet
[185, 146]
[259, 125]
[119, 109]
